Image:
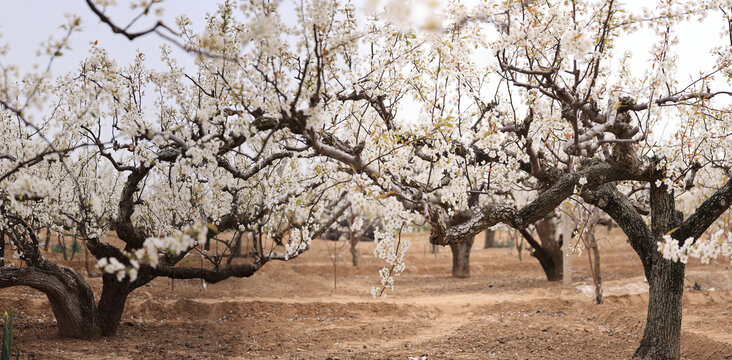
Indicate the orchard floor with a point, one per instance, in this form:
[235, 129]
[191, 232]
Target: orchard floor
[505, 310]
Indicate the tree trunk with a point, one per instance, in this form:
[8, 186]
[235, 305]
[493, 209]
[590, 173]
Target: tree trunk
[551, 264]
[551, 243]
[86, 261]
[47, 242]
[662, 335]
[235, 247]
[594, 258]
[236, 250]
[519, 243]
[354, 251]
[74, 246]
[599, 291]
[75, 312]
[552, 267]
[71, 298]
[62, 241]
[461, 258]
[354, 256]
[112, 303]
[490, 239]
[549, 252]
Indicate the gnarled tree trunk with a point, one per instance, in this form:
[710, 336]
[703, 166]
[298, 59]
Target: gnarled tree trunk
[461, 258]
[71, 298]
[75, 312]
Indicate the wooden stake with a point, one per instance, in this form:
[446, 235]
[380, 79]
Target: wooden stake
[566, 249]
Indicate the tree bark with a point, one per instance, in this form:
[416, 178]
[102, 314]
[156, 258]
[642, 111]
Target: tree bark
[519, 247]
[75, 312]
[236, 250]
[490, 239]
[71, 298]
[112, 303]
[662, 335]
[434, 249]
[461, 258]
[235, 247]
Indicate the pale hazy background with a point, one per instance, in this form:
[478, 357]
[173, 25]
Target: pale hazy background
[25, 24]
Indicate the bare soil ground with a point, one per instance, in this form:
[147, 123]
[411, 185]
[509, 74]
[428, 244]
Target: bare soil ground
[505, 310]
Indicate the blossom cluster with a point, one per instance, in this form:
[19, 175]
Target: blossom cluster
[174, 244]
[719, 244]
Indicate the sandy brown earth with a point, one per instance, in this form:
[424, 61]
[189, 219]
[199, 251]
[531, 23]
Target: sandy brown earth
[506, 310]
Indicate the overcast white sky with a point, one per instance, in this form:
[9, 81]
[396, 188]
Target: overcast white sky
[25, 24]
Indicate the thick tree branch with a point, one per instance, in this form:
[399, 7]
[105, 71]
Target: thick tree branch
[622, 210]
[210, 275]
[547, 201]
[706, 214]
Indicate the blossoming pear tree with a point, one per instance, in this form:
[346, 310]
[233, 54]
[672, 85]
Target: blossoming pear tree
[167, 162]
[596, 122]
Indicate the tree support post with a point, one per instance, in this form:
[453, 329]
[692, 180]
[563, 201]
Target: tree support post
[566, 249]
